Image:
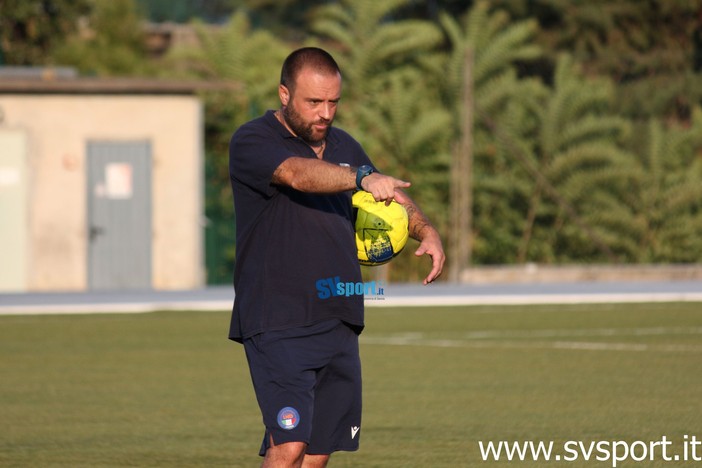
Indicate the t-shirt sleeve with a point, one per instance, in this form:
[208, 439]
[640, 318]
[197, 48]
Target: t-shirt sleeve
[353, 153]
[254, 155]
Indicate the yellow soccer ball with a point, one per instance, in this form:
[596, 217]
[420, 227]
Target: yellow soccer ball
[381, 230]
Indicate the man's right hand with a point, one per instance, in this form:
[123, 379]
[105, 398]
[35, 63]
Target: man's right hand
[382, 187]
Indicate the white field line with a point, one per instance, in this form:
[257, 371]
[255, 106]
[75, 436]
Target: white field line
[116, 307]
[566, 333]
[374, 301]
[477, 340]
[522, 299]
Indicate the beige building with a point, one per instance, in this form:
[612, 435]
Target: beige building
[101, 185]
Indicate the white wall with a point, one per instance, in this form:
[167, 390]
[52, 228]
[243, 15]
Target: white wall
[13, 210]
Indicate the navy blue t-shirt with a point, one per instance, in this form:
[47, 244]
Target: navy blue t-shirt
[291, 247]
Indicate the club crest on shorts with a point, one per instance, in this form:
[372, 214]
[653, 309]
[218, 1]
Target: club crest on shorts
[288, 418]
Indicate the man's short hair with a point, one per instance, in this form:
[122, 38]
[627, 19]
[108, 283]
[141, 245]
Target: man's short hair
[318, 59]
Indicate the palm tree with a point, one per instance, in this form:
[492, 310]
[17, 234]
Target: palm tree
[579, 152]
[480, 80]
[237, 52]
[663, 197]
[369, 43]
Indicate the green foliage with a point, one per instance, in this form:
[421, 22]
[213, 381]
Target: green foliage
[653, 36]
[250, 58]
[107, 47]
[663, 198]
[237, 52]
[500, 98]
[369, 46]
[649, 48]
[182, 11]
[30, 29]
[579, 153]
[496, 45]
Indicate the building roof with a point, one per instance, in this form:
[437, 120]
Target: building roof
[49, 81]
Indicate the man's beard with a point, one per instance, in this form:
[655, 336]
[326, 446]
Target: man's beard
[303, 129]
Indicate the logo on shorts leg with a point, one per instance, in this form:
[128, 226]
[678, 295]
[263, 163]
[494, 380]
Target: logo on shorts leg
[288, 418]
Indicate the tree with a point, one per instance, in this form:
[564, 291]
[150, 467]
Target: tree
[106, 46]
[657, 216]
[579, 152]
[651, 49]
[240, 53]
[648, 49]
[182, 11]
[30, 29]
[250, 58]
[488, 46]
[369, 46]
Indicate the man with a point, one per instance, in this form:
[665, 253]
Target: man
[292, 177]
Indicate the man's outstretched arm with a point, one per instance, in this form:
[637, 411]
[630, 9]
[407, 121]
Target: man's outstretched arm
[318, 176]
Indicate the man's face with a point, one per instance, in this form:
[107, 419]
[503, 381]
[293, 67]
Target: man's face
[309, 111]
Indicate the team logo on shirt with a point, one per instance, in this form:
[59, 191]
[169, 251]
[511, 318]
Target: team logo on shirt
[288, 418]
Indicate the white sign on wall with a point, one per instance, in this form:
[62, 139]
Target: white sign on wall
[119, 183]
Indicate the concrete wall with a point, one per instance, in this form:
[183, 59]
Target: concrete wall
[13, 213]
[57, 129]
[533, 273]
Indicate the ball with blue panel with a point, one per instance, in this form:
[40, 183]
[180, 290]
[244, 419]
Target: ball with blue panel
[381, 230]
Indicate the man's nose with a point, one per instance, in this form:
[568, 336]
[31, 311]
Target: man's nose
[326, 111]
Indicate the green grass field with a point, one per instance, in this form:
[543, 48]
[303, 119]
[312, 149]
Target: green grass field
[168, 389]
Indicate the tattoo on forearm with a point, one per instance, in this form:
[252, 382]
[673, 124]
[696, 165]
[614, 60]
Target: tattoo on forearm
[417, 229]
[417, 221]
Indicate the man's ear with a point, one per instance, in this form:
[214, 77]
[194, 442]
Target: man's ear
[283, 94]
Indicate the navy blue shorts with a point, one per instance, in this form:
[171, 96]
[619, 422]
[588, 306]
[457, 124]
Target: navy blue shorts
[308, 386]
